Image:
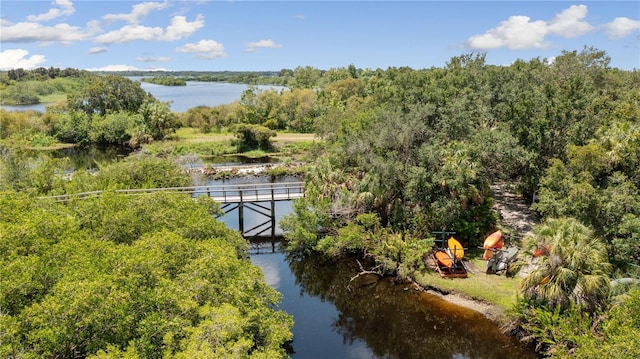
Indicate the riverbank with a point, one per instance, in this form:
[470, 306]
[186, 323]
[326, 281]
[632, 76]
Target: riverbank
[489, 294]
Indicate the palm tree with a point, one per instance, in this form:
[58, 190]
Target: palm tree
[572, 266]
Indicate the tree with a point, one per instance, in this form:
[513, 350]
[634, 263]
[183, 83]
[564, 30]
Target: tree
[305, 77]
[572, 266]
[108, 94]
[251, 137]
[158, 119]
[137, 276]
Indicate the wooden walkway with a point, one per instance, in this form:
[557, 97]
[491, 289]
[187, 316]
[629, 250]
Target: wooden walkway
[224, 194]
[258, 198]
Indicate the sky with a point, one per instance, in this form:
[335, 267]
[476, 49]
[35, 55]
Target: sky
[178, 35]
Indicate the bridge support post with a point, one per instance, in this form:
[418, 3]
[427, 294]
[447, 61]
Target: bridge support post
[273, 215]
[241, 215]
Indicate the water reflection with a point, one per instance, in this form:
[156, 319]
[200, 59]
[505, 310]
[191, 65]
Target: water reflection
[87, 158]
[93, 156]
[377, 318]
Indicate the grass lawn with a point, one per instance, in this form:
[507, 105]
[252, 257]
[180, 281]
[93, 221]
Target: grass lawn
[192, 135]
[192, 141]
[498, 290]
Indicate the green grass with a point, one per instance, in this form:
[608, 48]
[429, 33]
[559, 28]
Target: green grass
[191, 141]
[498, 290]
[57, 97]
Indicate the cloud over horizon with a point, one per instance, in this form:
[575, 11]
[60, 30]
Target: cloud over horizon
[519, 32]
[204, 49]
[262, 44]
[17, 58]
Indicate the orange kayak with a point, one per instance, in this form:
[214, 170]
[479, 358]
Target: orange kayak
[444, 259]
[494, 240]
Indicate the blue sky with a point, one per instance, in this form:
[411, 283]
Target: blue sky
[273, 35]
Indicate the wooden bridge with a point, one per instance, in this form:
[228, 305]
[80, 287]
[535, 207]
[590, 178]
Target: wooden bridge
[253, 197]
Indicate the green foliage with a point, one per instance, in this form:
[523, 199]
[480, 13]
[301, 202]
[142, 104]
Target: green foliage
[37, 89]
[575, 334]
[597, 184]
[158, 119]
[212, 119]
[108, 94]
[149, 276]
[15, 122]
[165, 80]
[142, 172]
[114, 128]
[303, 226]
[572, 267]
[20, 172]
[252, 137]
[72, 127]
[305, 77]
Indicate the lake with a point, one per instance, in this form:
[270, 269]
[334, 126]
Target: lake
[181, 98]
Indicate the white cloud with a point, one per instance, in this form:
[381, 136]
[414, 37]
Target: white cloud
[153, 59]
[17, 58]
[271, 274]
[137, 11]
[518, 32]
[65, 8]
[34, 32]
[621, 27]
[114, 68]
[204, 49]
[262, 44]
[98, 50]
[130, 33]
[180, 27]
[177, 29]
[569, 22]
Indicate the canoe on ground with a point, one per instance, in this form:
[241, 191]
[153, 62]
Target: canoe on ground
[456, 248]
[444, 259]
[494, 240]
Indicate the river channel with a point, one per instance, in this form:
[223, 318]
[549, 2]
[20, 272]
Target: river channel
[374, 318]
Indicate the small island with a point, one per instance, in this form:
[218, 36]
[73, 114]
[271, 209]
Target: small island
[165, 80]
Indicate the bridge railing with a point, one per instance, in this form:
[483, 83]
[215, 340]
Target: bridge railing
[220, 193]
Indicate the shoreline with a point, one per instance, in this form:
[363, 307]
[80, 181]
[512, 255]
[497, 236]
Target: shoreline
[491, 311]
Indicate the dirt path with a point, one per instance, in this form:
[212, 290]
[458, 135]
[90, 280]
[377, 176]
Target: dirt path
[513, 210]
[515, 214]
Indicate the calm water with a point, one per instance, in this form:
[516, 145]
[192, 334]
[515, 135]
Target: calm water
[377, 318]
[182, 98]
[196, 93]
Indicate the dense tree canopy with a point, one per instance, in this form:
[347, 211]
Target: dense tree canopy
[409, 152]
[151, 276]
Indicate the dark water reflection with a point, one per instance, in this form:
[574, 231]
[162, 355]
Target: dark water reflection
[377, 318]
[92, 156]
[87, 158]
